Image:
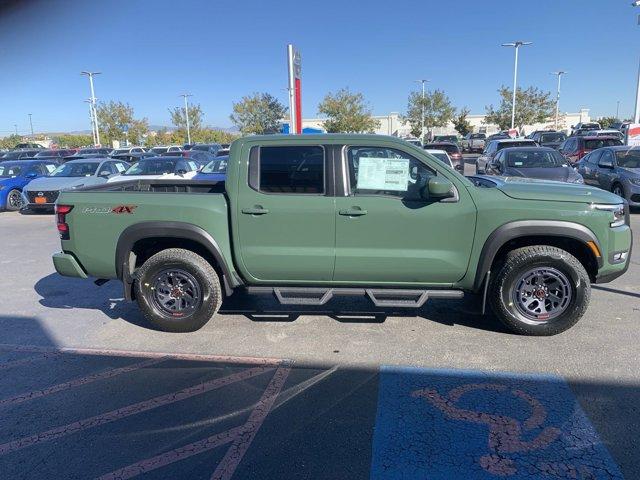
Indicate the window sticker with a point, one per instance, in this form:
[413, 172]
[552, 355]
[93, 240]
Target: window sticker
[50, 168]
[120, 167]
[383, 173]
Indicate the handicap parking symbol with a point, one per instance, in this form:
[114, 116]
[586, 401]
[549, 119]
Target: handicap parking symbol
[445, 424]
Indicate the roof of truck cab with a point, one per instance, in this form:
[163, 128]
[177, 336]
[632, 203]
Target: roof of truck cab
[322, 138]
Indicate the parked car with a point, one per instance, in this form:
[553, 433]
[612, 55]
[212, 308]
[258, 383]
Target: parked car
[609, 132]
[441, 155]
[200, 157]
[126, 150]
[133, 157]
[498, 136]
[584, 126]
[452, 149]
[533, 162]
[495, 146]
[28, 146]
[574, 148]
[207, 147]
[167, 168]
[413, 141]
[616, 169]
[19, 154]
[223, 152]
[446, 138]
[161, 150]
[94, 150]
[216, 170]
[15, 175]
[549, 138]
[42, 193]
[389, 222]
[58, 153]
[473, 142]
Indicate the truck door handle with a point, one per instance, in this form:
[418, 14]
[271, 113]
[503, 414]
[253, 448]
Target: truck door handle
[353, 212]
[256, 210]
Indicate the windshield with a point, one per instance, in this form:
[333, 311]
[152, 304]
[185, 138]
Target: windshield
[599, 143]
[49, 153]
[443, 157]
[502, 145]
[8, 170]
[628, 158]
[535, 159]
[216, 166]
[152, 166]
[553, 137]
[160, 149]
[446, 147]
[478, 136]
[83, 169]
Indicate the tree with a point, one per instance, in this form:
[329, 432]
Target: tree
[179, 119]
[72, 141]
[11, 141]
[438, 111]
[532, 106]
[259, 114]
[461, 123]
[347, 113]
[114, 118]
[606, 122]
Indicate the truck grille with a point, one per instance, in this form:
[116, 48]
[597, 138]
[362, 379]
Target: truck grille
[49, 196]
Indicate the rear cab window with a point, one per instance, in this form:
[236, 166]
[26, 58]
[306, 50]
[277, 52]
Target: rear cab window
[288, 169]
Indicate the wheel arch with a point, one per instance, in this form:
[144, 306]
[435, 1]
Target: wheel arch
[569, 236]
[141, 240]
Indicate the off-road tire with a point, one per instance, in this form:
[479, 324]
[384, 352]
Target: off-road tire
[507, 273]
[200, 269]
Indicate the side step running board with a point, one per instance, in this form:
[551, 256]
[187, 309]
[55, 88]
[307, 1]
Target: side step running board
[380, 297]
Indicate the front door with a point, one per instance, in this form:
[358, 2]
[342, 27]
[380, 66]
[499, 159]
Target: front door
[286, 215]
[389, 231]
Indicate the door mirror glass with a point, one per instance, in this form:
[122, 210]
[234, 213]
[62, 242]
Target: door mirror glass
[605, 163]
[440, 188]
[31, 175]
[104, 173]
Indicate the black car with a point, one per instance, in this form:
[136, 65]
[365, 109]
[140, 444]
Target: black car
[31, 146]
[616, 169]
[532, 162]
[133, 157]
[454, 151]
[207, 147]
[549, 138]
[200, 157]
[55, 153]
[20, 154]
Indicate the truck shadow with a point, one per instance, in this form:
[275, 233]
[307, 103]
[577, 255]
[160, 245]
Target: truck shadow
[70, 293]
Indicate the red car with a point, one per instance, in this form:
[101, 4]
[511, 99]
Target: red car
[574, 148]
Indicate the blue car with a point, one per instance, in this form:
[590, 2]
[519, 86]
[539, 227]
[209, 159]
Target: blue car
[15, 175]
[216, 170]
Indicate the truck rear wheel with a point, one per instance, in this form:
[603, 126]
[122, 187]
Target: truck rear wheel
[178, 290]
[540, 290]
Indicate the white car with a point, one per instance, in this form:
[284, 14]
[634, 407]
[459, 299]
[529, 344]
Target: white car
[161, 150]
[442, 156]
[159, 168]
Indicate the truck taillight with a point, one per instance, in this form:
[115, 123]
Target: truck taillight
[61, 220]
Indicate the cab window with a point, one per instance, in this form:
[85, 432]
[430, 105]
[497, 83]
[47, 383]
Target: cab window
[288, 170]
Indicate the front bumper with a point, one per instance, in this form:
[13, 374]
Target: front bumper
[634, 194]
[620, 240]
[67, 265]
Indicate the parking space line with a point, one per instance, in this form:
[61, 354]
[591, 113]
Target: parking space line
[109, 373]
[241, 437]
[25, 361]
[129, 410]
[133, 353]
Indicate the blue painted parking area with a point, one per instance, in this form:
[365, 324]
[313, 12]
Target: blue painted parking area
[442, 424]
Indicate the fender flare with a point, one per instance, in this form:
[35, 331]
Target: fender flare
[527, 228]
[165, 229]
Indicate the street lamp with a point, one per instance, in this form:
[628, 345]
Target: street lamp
[559, 74]
[31, 124]
[16, 128]
[186, 114]
[422, 81]
[636, 115]
[517, 46]
[94, 113]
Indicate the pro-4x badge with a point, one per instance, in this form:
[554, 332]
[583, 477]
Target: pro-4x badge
[124, 209]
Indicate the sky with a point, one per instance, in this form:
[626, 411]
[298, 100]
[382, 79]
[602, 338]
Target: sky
[149, 52]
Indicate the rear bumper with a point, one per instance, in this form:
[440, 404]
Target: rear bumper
[67, 265]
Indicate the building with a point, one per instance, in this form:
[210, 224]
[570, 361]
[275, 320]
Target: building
[392, 124]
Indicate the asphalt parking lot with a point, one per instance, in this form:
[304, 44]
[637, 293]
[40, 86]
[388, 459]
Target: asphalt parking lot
[88, 390]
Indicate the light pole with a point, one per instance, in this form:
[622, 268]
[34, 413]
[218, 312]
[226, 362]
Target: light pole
[31, 125]
[186, 114]
[422, 81]
[94, 113]
[559, 74]
[517, 46]
[16, 128]
[93, 130]
[618, 110]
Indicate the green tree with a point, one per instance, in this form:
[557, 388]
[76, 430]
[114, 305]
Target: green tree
[606, 122]
[259, 114]
[461, 123]
[72, 141]
[11, 141]
[347, 113]
[179, 120]
[114, 117]
[438, 111]
[212, 135]
[532, 106]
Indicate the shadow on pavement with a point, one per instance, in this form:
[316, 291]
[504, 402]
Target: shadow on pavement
[118, 414]
[68, 293]
[615, 290]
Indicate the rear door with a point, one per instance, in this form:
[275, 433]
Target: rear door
[387, 232]
[286, 214]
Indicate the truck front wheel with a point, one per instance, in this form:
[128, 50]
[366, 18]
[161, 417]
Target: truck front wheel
[178, 290]
[540, 290]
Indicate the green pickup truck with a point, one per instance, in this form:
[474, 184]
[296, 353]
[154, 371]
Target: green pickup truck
[310, 217]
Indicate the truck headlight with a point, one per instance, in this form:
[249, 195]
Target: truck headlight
[616, 210]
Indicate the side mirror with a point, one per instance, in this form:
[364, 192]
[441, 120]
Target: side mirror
[440, 188]
[31, 175]
[104, 174]
[605, 164]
